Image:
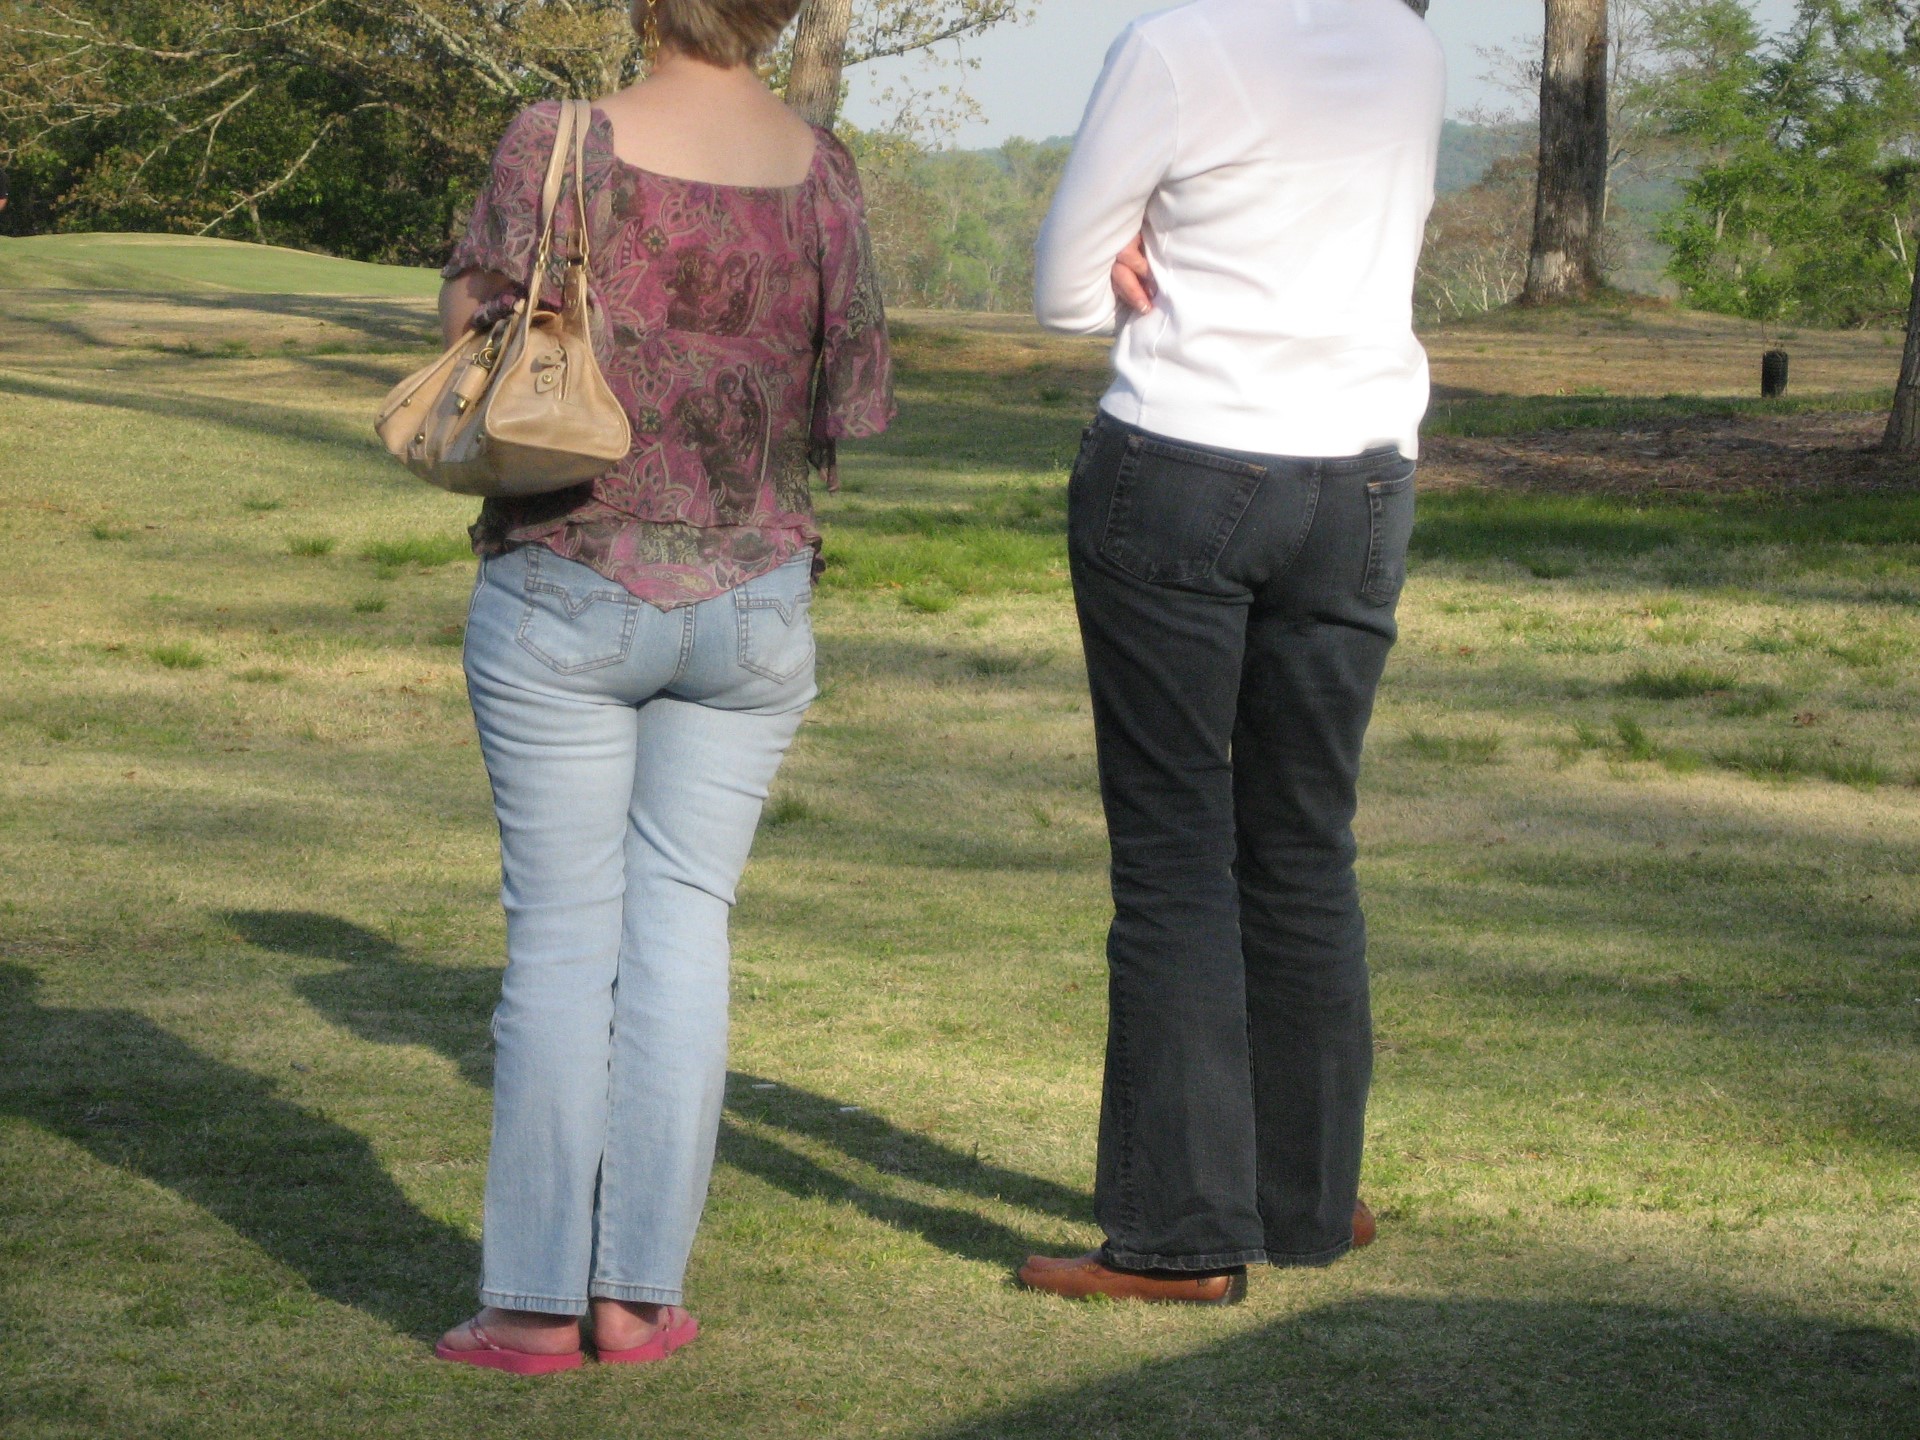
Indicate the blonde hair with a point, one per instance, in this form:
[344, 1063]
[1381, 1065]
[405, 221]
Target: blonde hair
[720, 32]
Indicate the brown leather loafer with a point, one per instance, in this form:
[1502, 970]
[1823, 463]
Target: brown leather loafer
[1081, 1277]
[1364, 1227]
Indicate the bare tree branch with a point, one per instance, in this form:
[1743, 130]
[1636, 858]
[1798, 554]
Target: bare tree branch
[251, 200]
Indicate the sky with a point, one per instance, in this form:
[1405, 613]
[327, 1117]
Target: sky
[1033, 80]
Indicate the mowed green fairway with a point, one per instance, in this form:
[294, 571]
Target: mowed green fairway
[1641, 845]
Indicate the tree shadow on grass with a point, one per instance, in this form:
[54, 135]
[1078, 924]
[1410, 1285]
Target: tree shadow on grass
[389, 319]
[382, 368]
[1832, 976]
[1603, 530]
[308, 1192]
[384, 996]
[997, 430]
[249, 417]
[1476, 1369]
[402, 320]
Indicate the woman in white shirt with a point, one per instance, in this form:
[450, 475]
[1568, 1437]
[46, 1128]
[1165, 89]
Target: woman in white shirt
[1255, 175]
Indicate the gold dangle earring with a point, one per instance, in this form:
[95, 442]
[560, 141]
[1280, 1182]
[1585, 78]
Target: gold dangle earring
[650, 32]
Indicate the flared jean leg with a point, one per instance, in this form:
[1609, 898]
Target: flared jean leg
[1305, 702]
[1175, 1180]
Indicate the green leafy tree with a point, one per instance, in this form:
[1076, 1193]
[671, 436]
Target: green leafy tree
[1805, 205]
[354, 125]
[357, 126]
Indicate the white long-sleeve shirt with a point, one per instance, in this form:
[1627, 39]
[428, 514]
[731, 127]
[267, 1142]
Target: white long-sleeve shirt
[1280, 155]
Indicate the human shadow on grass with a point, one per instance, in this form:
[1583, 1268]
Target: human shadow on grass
[381, 993]
[386, 997]
[309, 1193]
[757, 1106]
[1408, 1369]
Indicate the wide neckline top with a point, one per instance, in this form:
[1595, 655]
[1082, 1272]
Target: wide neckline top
[602, 122]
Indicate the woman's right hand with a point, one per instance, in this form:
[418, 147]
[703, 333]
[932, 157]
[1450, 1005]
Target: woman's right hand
[1133, 282]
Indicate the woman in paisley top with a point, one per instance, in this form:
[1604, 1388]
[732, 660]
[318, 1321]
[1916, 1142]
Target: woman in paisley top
[639, 656]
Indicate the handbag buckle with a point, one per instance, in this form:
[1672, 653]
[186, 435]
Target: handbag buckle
[473, 381]
[549, 370]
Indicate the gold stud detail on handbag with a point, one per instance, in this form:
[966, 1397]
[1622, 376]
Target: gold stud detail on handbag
[520, 409]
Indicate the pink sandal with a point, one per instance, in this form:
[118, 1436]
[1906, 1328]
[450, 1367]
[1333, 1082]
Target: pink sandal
[659, 1345]
[491, 1356]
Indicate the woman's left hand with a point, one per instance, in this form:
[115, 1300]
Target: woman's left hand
[1133, 282]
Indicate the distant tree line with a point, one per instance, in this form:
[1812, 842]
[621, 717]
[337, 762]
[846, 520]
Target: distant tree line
[956, 229]
[362, 128]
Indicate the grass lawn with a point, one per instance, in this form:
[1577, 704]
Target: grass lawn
[1641, 845]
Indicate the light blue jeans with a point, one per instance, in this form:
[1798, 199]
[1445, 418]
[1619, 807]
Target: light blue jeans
[630, 751]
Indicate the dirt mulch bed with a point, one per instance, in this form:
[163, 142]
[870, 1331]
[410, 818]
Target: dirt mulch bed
[1784, 455]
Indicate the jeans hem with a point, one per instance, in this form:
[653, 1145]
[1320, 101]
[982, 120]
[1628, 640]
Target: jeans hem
[1219, 1260]
[1312, 1260]
[634, 1294]
[536, 1304]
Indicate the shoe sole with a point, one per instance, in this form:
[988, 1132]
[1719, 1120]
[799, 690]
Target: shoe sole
[1236, 1293]
[512, 1362]
[658, 1348]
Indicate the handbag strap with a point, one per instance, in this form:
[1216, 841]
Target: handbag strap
[582, 122]
[571, 134]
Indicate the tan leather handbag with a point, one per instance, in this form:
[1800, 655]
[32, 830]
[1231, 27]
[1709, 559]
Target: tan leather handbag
[520, 409]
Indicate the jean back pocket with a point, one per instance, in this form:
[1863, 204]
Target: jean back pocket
[1174, 507]
[576, 619]
[771, 615]
[1389, 531]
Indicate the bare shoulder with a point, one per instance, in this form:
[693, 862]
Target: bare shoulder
[791, 136]
[729, 136]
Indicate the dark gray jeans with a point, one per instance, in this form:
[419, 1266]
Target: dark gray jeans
[1236, 611]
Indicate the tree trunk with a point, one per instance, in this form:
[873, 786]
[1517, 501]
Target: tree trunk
[819, 51]
[1571, 198]
[1903, 425]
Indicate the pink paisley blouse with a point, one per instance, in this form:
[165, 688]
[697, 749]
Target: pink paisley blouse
[742, 329]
